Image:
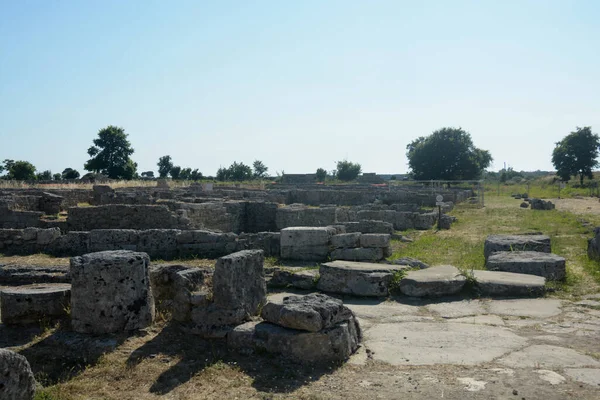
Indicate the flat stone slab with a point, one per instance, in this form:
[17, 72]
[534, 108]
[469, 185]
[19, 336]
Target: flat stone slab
[377, 310]
[304, 279]
[312, 312]
[29, 274]
[357, 278]
[496, 243]
[33, 303]
[546, 356]
[433, 282]
[550, 266]
[589, 376]
[457, 309]
[509, 284]
[429, 343]
[532, 308]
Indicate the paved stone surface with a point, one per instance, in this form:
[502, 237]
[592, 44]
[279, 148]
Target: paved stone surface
[379, 310]
[509, 284]
[422, 343]
[481, 320]
[550, 376]
[456, 309]
[589, 376]
[433, 282]
[532, 308]
[548, 357]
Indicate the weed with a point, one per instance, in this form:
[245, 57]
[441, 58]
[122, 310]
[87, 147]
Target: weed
[394, 285]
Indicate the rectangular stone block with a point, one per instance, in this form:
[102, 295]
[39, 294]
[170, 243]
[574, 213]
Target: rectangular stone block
[345, 240]
[375, 240]
[358, 254]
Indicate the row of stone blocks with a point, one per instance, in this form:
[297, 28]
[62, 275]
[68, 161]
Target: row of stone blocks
[320, 244]
[524, 254]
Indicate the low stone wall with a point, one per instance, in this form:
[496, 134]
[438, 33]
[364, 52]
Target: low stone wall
[10, 219]
[163, 244]
[323, 243]
[593, 249]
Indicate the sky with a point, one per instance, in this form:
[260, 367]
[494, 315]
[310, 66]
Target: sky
[296, 84]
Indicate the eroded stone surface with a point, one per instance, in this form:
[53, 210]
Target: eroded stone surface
[508, 284]
[547, 356]
[589, 376]
[423, 343]
[357, 278]
[433, 282]
[16, 379]
[511, 243]
[34, 303]
[550, 266]
[532, 308]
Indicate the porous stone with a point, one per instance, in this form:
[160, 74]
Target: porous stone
[509, 284]
[111, 292]
[498, 243]
[33, 303]
[16, 378]
[357, 278]
[433, 282]
[345, 240]
[411, 262]
[312, 312]
[370, 226]
[550, 266]
[304, 279]
[376, 240]
[359, 254]
[29, 274]
[306, 243]
[239, 281]
[328, 345]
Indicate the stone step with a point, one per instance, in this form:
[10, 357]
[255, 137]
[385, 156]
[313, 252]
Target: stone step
[548, 265]
[29, 304]
[302, 279]
[433, 282]
[509, 284]
[29, 274]
[357, 278]
[500, 243]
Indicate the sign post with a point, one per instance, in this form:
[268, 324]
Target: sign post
[439, 202]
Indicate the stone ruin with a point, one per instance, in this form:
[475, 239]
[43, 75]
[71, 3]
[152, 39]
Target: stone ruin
[593, 249]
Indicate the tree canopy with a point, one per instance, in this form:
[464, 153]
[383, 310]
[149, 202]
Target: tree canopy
[110, 154]
[235, 172]
[347, 171]
[165, 164]
[576, 154]
[260, 169]
[19, 170]
[70, 173]
[321, 174]
[447, 154]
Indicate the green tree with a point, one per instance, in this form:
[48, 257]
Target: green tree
[446, 154]
[44, 175]
[70, 173]
[175, 172]
[148, 174]
[576, 154]
[19, 170]
[185, 174]
[235, 172]
[260, 169]
[347, 171]
[57, 177]
[196, 175]
[110, 154]
[321, 175]
[165, 164]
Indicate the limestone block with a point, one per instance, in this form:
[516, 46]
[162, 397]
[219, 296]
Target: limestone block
[550, 266]
[345, 240]
[508, 284]
[357, 278]
[376, 240]
[29, 304]
[495, 243]
[369, 226]
[158, 243]
[111, 292]
[16, 378]
[433, 282]
[304, 279]
[312, 312]
[113, 239]
[239, 281]
[359, 254]
[306, 243]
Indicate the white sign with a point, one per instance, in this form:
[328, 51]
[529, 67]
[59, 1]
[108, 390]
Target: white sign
[439, 203]
[439, 198]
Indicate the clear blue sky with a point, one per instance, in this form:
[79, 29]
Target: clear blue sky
[296, 84]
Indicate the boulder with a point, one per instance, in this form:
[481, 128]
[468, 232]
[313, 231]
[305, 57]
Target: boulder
[539, 204]
[357, 278]
[524, 204]
[593, 248]
[312, 312]
[16, 379]
[328, 345]
[550, 266]
[433, 282]
[32, 303]
[508, 284]
[111, 292]
[496, 243]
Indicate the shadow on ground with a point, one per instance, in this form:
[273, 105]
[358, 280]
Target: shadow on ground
[269, 373]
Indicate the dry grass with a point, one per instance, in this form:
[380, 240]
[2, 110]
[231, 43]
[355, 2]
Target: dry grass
[34, 259]
[124, 184]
